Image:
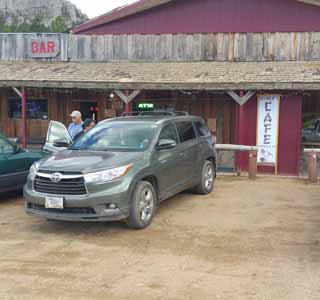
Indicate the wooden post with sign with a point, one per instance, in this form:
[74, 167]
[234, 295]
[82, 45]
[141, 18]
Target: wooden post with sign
[268, 112]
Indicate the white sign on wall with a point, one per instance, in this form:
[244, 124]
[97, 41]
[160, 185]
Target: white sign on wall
[268, 129]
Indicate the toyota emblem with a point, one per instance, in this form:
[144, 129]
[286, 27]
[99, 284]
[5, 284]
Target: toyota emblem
[56, 177]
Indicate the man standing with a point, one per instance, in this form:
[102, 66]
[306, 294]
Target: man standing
[86, 126]
[76, 125]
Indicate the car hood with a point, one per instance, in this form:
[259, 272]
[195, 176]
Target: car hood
[88, 161]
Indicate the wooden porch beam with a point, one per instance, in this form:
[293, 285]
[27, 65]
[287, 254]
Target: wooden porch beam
[241, 100]
[127, 98]
[17, 92]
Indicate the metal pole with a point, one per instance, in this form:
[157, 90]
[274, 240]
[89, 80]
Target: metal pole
[24, 117]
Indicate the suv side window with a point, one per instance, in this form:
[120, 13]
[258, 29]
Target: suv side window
[201, 128]
[5, 147]
[169, 132]
[186, 131]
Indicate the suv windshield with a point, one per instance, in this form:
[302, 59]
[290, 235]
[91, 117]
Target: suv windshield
[124, 136]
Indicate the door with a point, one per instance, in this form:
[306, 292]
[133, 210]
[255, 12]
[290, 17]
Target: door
[89, 110]
[57, 135]
[14, 166]
[187, 150]
[167, 163]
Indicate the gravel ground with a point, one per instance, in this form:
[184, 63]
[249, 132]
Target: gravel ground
[248, 240]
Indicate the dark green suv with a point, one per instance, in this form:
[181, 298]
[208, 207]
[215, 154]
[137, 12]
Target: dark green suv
[122, 169]
[15, 164]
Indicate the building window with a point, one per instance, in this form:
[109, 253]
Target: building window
[36, 109]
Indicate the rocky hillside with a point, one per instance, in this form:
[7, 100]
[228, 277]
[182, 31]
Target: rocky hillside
[38, 15]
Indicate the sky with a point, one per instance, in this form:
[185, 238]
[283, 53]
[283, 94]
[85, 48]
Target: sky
[94, 8]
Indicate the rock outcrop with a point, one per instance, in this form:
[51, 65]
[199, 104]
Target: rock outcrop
[15, 12]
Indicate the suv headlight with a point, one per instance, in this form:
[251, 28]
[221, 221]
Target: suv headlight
[33, 170]
[108, 175]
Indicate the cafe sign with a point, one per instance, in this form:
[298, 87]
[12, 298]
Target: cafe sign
[43, 47]
[268, 129]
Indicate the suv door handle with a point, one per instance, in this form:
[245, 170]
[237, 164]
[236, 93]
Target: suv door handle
[182, 154]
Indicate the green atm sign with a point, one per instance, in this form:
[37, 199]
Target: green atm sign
[145, 106]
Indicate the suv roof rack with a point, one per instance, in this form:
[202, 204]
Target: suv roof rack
[155, 113]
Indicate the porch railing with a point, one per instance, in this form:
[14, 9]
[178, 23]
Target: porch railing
[252, 152]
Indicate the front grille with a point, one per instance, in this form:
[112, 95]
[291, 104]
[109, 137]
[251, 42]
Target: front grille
[67, 186]
[66, 210]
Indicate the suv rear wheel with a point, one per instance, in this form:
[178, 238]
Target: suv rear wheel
[207, 179]
[143, 207]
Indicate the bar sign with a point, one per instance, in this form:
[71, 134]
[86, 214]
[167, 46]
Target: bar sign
[43, 47]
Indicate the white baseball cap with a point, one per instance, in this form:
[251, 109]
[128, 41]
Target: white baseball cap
[75, 114]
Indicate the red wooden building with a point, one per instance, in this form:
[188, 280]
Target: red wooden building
[228, 16]
[251, 68]
[207, 16]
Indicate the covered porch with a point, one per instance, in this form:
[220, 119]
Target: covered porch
[223, 93]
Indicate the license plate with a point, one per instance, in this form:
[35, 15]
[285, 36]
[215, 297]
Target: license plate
[54, 202]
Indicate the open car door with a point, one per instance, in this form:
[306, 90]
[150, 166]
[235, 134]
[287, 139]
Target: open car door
[58, 137]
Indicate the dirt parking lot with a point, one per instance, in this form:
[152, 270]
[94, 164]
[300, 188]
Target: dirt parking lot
[248, 240]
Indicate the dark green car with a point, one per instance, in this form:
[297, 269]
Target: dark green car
[121, 169]
[14, 164]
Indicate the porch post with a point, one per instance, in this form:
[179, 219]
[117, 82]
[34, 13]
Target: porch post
[24, 116]
[127, 105]
[23, 96]
[240, 134]
[312, 167]
[127, 98]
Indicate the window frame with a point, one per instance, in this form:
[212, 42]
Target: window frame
[10, 113]
[176, 131]
[12, 145]
[194, 130]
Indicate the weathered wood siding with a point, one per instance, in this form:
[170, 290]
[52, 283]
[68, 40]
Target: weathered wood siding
[196, 47]
[60, 104]
[169, 47]
[208, 16]
[15, 46]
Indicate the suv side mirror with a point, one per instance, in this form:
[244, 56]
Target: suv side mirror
[61, 143]
[166, 144]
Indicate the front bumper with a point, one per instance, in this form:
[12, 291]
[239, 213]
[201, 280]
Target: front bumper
[80, 208]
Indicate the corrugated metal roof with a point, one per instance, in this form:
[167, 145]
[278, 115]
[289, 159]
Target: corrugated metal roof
[163, 76]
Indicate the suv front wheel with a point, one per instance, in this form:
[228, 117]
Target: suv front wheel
[207, 179]
[143, 206]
